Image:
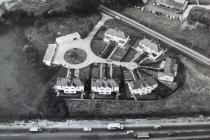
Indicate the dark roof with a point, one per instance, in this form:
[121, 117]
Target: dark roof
[170, 66]
[104, 83]
[68, 82]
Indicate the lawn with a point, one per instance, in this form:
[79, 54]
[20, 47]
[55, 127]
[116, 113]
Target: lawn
[198, 39]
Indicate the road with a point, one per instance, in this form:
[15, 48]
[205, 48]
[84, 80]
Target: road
[184, 49]
[175, 131]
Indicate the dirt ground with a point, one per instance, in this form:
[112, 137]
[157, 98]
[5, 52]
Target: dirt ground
[21, 88]
[199, 38]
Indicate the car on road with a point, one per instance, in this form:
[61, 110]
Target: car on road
[157, 127]
[35, 129]
[115, 126]
[142, 135]
[87, 129]
[171, 133]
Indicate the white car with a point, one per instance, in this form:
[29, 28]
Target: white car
[35, 129]
[115, 126]
[87, 129]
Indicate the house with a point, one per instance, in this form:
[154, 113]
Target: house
[104, 86]
[69, 86]
[151, 47]
[68, 38]
[170, 70]
[142, 86]
[179, 5]
[49, 54]
[117, 36]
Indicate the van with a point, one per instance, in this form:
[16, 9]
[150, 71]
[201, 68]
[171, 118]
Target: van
[115, 126]
[142, 135]
[35, 129]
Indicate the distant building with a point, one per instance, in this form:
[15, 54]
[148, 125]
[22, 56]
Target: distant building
[104, 86]
[49, 54]
[170, 70]
[116, 35]
[67, 38]
[142, 86]
[179, 5]
[69, 86]
[152, 48]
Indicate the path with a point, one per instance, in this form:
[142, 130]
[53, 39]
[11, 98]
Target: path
[85, 44]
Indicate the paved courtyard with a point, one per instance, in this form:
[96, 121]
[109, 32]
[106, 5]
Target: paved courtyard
[84, 44]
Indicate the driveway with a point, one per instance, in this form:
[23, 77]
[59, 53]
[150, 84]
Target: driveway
[85, 44]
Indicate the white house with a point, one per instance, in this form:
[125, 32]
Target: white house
[68, 38]
[152, 48]
[117, 36]
[170, 71]
[142, 86]
[49, 54]
[104, 86]
[69, 86]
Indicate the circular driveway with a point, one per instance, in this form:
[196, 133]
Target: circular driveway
[84, 44]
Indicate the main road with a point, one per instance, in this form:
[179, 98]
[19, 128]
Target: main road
[189, 52]
[171, 131]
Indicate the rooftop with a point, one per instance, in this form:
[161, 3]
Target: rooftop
[50, 52]
[151, 44]
[104, 83]
[178, 4]
[170, 66]
[68, 82]
[116, 32]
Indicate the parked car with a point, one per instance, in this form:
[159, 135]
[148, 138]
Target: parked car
[115, 126]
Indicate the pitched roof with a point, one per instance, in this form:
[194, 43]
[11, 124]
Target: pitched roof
[104, 83]
[117, 33]
[68, 82]
[151, 44]
[151, 81]
[170, 67]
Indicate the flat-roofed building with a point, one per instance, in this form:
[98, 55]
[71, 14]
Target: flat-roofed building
[69, 86]
[170, 70]
[49, 54]
[104, 86]
[68, 38]
[142, 86]
[117, 36]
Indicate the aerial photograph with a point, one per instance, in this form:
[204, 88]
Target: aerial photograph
[104, 69]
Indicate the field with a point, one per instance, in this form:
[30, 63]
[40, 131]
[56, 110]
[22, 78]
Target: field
[21, 89]
[23, 94]
[198, 39]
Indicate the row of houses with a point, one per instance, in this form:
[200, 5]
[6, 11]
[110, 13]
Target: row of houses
[72, 86]
[136, 85]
